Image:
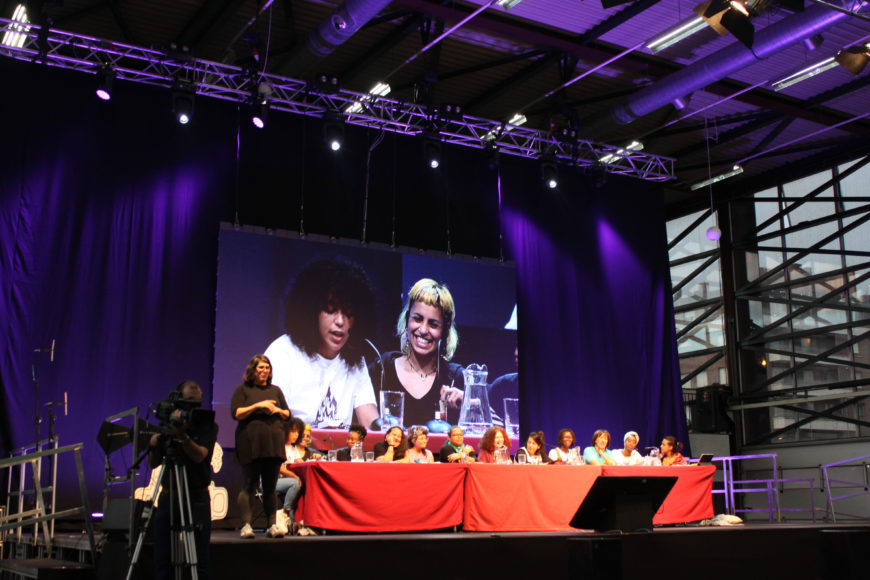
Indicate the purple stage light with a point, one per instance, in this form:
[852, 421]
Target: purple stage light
[258, 122]
[714, 233]
[104, 94]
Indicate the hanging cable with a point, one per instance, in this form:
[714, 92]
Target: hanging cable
[302, 182]
[376, 142]
[393, 233]
[444, 182]
[713, 232]
[238, 149]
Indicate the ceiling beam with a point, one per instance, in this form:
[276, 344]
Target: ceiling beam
[636, 62]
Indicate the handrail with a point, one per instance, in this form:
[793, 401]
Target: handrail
[830, 497]
[39, 515]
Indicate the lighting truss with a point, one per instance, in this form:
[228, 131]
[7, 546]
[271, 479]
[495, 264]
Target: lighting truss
[222, 81]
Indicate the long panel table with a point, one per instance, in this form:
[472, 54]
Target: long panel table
[511, 498]
[378, 497]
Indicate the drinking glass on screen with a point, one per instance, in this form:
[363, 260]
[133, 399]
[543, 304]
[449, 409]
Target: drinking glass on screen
[512, 417]
[392, 409]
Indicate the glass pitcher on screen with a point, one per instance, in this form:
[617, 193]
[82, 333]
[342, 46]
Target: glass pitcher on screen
[475, 416]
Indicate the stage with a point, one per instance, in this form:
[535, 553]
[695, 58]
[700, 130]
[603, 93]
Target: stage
[834, 552]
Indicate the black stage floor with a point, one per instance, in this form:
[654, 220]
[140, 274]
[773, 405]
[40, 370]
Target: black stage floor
[768, 551]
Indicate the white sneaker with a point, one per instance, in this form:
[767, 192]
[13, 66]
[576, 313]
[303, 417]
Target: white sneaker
[247, 532]
[281, 520]
[276, 531]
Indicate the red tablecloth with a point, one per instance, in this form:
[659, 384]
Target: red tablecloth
[691, 498]
[380, 497]
[545, 497]
[384, 497]
[511, 498]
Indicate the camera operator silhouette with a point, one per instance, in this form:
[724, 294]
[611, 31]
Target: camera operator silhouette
[186, 441]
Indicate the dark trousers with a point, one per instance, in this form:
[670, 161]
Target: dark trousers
[200, 506]
[253, 473]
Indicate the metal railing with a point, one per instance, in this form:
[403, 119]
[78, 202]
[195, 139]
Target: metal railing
[39, 516]
[830, 483]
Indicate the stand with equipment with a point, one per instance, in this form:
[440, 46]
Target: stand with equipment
[177, 494]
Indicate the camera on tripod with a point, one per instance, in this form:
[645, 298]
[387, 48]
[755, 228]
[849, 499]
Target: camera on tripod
[189, 412]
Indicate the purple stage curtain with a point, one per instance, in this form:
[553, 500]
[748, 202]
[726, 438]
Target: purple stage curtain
[108, 245]
[597, 337]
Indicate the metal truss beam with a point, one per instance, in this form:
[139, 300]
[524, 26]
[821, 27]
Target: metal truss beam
[232, 83]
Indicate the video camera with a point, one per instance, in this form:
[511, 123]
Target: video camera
[189, 412]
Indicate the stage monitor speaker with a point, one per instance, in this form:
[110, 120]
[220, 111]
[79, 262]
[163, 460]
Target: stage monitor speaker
[622, 503]
[117, 516]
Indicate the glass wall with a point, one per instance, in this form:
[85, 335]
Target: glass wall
[801, 274]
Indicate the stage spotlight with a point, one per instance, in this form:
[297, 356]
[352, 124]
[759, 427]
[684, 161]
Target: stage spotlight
[333, 131]
[183, 94]
[854, 59]
[260, 105]
[549, 172]
[432, 149]
[104, 82]
[260, 114]
[726, 16]
[490, 153]
[324, 85]
[814, 42]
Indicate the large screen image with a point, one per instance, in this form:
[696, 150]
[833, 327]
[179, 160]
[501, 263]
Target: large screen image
[377, 337]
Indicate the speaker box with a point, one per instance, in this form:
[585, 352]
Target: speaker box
[622, 503]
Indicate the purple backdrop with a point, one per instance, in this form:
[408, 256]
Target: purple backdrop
[109, 217]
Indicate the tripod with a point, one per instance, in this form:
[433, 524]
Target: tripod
[183, 542]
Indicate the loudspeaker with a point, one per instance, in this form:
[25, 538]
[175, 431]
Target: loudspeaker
[622, 503]
[709, 410]
[117, 516]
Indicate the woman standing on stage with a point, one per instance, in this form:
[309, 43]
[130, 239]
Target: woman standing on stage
[598, 453]
[671, 452]
[422, 370]
[260, 409]
[493, 439]
[394, 447]
[566, 440]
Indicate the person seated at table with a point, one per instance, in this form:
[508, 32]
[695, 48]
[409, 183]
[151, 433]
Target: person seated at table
[308, 450]
[418, 437]
[534, 449]
[671, 452]
[566, 441]
[599, 453]
[355, 435]
[629, 454]
[494, 439]
[289, 484]
[394, 447]
[454, 447]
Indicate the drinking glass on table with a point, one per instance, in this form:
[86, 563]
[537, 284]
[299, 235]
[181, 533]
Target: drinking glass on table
[332, 455]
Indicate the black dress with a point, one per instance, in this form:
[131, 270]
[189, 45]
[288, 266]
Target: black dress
[259, 436]
[417, 411]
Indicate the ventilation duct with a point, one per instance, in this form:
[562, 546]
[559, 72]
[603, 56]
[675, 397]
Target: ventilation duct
[735, 57]
[334, 31]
